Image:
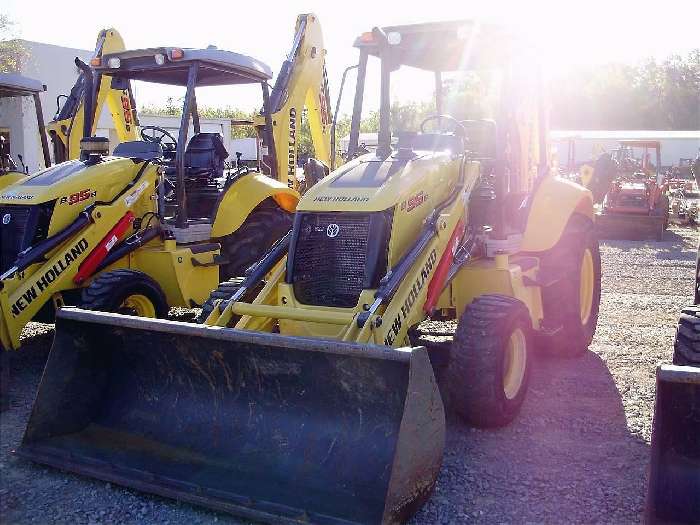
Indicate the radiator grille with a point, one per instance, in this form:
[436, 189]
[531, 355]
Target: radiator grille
[331, 270]
[16, 233]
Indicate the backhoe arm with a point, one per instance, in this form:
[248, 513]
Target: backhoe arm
[66, 128]
[301, 84]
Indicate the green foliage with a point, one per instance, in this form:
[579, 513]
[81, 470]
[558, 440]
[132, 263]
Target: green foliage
[173, 107]
[653, 95]
[12, 52]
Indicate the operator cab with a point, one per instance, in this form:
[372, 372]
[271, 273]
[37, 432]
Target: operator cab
[18, 86]
[439, 49]
[196, 168]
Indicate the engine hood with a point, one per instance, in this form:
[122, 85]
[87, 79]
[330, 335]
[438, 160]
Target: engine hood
[71, 182]
[369, 183]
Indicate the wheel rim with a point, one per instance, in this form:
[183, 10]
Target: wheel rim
[138, 304]
[515, 364]
[586, 285]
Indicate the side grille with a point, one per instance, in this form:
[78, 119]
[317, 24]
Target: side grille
[20, 228]
[337, 255]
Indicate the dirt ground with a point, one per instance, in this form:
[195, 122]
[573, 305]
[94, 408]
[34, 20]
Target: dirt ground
[578, 453]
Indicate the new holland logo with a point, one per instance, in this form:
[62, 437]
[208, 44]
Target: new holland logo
[332, 230]
[6, 218]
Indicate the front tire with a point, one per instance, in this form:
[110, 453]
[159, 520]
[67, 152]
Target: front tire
[128, 292]
[490, 364]
[265, 225]
[571, 305]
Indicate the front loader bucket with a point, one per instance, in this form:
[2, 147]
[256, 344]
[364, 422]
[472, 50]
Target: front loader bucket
[674, 478]
[630, 227]
[274, 428]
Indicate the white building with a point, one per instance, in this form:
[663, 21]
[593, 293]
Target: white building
[53, 66]
[589, 144]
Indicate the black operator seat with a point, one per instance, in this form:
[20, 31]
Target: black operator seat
[205, 156]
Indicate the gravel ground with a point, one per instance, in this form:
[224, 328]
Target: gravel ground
[577, 454]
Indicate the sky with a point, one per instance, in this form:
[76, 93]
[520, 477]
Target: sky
[571, 33]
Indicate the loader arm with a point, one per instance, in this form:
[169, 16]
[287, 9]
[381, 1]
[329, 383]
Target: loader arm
[301, 84]
[66, 128]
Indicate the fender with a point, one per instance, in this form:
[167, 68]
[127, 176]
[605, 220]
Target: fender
[244, 195]
[552, 206]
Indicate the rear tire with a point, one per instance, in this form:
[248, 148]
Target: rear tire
[572, 304]
[490, 363]
[265, 225]
[127, 292]
[686, 347]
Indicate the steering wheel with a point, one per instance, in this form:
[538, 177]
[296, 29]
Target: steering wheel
[158, 135]
[457, 127]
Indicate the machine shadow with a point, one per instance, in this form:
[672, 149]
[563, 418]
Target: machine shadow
[566, 452]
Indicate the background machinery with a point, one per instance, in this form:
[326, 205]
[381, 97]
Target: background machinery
[13, 85]
[306, 396]
[674, 475]
[160, 222]
[636, 205]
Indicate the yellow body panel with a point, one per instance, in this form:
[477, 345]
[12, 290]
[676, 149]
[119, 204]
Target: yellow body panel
[333, 194]
[172, 268]
[10, 178]
[554, 202]
[244, 195]
[73, 185]
[486, 276]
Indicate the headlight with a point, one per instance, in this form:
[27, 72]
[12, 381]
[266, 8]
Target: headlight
[114, 63]
[394, 38]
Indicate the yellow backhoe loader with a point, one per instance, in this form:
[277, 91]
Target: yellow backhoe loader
[308, 396]
[160, 222]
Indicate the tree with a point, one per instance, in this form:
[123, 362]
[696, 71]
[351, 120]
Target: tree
[12, 52]
[173, 107]
[654, 94]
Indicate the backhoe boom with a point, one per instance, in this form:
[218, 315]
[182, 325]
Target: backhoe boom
[301, 85]
[66, 128]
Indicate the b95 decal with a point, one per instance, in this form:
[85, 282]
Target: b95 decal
[80, 196]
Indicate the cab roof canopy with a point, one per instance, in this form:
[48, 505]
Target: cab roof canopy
[441, 46]
[13, 85]
[216, 67]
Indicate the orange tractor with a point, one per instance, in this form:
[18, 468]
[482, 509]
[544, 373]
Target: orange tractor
[636, 205]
